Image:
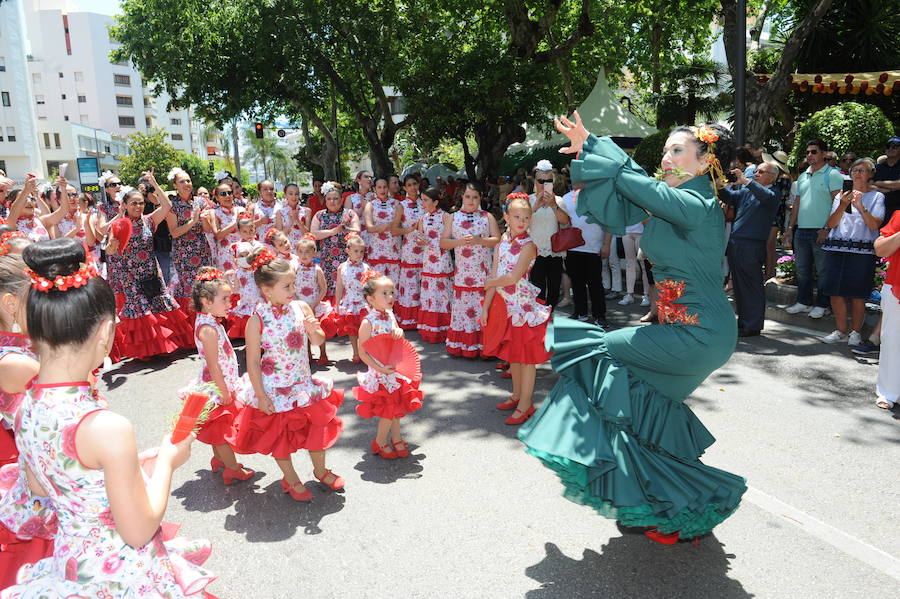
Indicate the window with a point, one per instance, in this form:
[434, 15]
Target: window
[1, 134]
[126, 121]
[124, 101]
[82, 99]
[2, 164]
[63, 96]
[60, 75]
[175, 121]
[79, 76]
[46, 140]
[2, 64]
[146, 101]
[177, 137]
[122, 80]
[36, 78]
[106, 149]
[39, 99]
[5, 97]
[66, 118]
[148, 121]
[56, 141]
[11, 133]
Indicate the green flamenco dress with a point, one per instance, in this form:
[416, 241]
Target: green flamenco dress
[615, 427]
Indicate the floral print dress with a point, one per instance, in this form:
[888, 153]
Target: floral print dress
[245, 284]
[33, 229]
[357, 204]
[262, 209]
[224, 255]
[332, 250]
[384, 247]
[308, 288]
[385, 395]
[473, 263]
[437, 268]
[136, 263]
[90, 558]
[353, 305]
[189, 253]
[295, 233]
[409, 281]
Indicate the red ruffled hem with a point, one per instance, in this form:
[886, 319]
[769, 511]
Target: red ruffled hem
[16, 552]
[315, 427]
[523, 345]
[187, 306]
[407, 317]
[154, 334]
[348, 324]
[331, 325]
[235, 326]
[216, 429]
[463, 341]
[9, 453]
[432, 336]
[433, 326]
[382, 404]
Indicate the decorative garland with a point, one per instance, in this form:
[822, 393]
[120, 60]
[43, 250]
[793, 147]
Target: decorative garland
[78, 278]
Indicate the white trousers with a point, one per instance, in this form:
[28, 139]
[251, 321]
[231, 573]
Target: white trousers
[612, 269]
[888, 385]
[632, 243]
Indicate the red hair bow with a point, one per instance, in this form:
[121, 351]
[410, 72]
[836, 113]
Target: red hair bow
[245, 216]
[263, 258]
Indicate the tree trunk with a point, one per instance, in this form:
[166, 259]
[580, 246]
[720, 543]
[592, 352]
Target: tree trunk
[327, 158]
[378, 151]
[493, 141]
[237, 150]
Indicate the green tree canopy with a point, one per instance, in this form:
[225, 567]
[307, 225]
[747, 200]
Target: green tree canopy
[148, 151]
[847, 127]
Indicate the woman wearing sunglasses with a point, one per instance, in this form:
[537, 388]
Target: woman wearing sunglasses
[227, 233]
[188, 222]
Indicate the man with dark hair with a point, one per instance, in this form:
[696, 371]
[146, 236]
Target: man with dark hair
[887, 178]
[846, 162]
[394, 187]
[816, 190]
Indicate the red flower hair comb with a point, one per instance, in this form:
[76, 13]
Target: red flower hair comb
[211, 275]
[4, 240]
[245, 216]
[309, 236]
[350, 236]
[270, 234]
[517, 196]
[371, 274]
[264, 258]
[78, 278]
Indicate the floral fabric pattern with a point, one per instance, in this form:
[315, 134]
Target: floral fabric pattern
[228, 363]
[308, 289]
[669, 292]
[12, 343]
[136, 263]
[295, 233]
[384, 247]
[33, 229]
[409, 282]
[224, 256]
[352, 302]
[189, 252]
[244, 282]
[473, 264]
[383, 323]
[522, 305]
[332, 250]
[268, 210]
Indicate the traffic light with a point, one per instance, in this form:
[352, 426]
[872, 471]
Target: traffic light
[259, 130]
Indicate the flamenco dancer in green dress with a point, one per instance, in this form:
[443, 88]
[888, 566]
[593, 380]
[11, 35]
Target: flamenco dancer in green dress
[615, 427]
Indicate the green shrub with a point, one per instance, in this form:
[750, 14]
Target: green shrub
[847, 127]
[649, 152]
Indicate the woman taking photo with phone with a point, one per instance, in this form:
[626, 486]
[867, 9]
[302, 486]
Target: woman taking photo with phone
[549, 214]
[850, 255]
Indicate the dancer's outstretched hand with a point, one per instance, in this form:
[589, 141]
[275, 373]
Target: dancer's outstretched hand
[576, 133]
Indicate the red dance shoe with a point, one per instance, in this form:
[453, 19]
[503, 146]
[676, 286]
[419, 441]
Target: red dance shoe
[356, 360]
[323, 361]
[523, 416]
[506, 374]
[336, 484]
[501, 366]
[291, 490]
[384, 451]
[510, 403]
[216, 464]
[229, 475]
[661, 537]
[401, 448]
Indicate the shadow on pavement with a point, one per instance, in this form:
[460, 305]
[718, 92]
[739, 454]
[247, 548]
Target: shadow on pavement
[271, 516]
[207, 493]
[634, 566]
[376, 469]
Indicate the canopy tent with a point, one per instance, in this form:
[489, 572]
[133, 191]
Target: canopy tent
[602, 114]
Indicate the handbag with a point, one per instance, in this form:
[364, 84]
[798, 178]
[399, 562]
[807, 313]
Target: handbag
[566, 239]
[151, 287]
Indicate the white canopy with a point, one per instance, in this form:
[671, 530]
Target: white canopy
[602, 115]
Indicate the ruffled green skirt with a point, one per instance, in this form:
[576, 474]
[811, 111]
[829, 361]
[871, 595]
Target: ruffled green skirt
[622, 446]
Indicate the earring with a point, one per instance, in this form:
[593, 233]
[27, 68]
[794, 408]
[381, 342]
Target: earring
[15, 326]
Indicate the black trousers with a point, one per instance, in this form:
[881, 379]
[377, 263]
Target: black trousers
[585, 270]
[547, 275]
[746, 259]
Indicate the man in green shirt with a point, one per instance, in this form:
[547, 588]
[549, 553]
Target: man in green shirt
[816, 189]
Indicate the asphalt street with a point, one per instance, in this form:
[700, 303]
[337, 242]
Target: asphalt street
[470, 514]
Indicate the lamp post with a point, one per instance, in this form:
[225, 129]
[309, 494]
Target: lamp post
[740, 73]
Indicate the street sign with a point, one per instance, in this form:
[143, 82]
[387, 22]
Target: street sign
[89, 174]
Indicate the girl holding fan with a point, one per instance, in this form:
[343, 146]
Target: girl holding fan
[348, 296]
[382, 392]
[311, 288]
[522, 342]
[409, 281]
[437, 268]
[218, 365]
[287, 409]
[83, 457]
[472, 233]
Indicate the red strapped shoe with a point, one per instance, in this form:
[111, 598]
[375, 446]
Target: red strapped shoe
[229, 475]
[323, 361]
[523, 416]
[291, 490]
[216, 464]
[401, 452]
[663, 538]
[506, 374]
[510, 403]
[385, 451]
[336, 484]
[501, 366]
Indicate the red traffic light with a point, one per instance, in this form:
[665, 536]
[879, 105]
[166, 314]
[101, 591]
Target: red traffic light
[259, 130]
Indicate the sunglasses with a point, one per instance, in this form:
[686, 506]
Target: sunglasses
[859, 171]
[136, 203]
[543, 180]
[808, 152]
[73, 195]
[116, 184]
[225, 194]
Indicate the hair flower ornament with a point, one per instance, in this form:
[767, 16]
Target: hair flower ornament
[264, 258]
[330, 186]
[104, 177]
[5, 238]
[78, 278]
[211, 275]
[369, 275]
[174, 173]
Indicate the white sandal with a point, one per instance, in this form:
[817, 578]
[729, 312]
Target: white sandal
[884, 404]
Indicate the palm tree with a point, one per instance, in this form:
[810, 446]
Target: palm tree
[692, 88]
[268, 153]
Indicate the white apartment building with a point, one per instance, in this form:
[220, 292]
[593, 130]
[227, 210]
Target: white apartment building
[19, 153]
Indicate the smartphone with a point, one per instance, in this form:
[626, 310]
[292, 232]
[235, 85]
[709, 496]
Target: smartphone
[548, 188]
[848, 186]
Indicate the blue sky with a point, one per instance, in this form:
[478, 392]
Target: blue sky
[104, 7]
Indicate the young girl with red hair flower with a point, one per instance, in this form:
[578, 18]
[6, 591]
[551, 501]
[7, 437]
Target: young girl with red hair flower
[311, 288]
[286, 408]
[348, 296]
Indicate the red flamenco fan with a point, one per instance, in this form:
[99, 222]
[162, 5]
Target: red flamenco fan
[398, 353]
[495, 330]
[195, 408]
[121, 231]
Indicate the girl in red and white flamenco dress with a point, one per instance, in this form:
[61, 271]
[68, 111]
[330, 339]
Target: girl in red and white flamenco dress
[522, 343]
[219, 376]
[409, 280]
[247, 295]
[383, 246]
[81, 456]
[292, 219]
[286, 408]
[472, 233]
[311, 288]
[437, 270]
[356, 201]
[24, 215]
[382, 392]
[348, 297]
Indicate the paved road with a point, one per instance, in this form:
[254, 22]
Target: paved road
[469, 514]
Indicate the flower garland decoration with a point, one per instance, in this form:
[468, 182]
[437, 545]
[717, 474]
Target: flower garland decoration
[211, 275]
[517, 196]
[350, 236]
[669, 312]
[262, 259]
[5, 238]
[709, 136]
[78, 278]
[245, 216]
